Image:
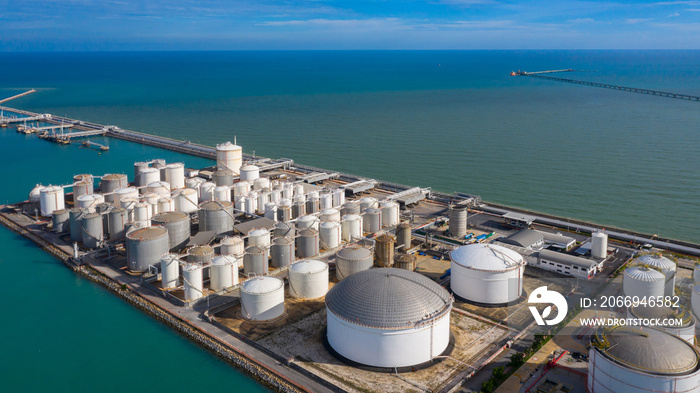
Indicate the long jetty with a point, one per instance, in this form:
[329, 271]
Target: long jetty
[540, 74]
[17, 96]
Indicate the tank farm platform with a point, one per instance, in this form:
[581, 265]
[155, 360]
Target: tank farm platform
[313, 280]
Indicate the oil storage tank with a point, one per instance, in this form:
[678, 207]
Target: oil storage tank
[111, 183]
[224, 272]
[643, 281]
[60, 220]
[175, 175]
[235, 246]
[92, 230]
[487, 274]
[170, 270]
[372, 220]
[403, 236]
[353, 259]
[193, 281]
[458, 220]
[390, 213]
[307, 243]
[351, 227]
[409, 326]
[282, 251]
[308, 279]
[384, 251]
[685, 328]
[229, 156]
[329, 235]
[262, 298]
[599, 245]
[641, 360]
[145, 247]
[665, 266]
[178, 226]
[305, 222]
[216, 216]
[223, 177]
[283, 229]
[116, 222]
[51, 198]
[255, 260]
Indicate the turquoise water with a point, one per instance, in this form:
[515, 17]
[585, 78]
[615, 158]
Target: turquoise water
[454, 121]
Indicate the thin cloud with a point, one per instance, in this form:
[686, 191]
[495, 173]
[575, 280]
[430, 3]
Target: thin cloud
[634, 21]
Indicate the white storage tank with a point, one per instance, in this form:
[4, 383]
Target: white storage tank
[388, 318]
[641, 360]
[192, 281]
[353, 259]
[206, 191]
[261, 183]
[685, 329]
[51, 198]
[222, 193]
[663, 264]
[325, 201]
[368, 202]
[186, 200]
[351, 227]
[329, 235]
[330, 215]
[148, 176]
[112, 182]
[161, 188]
[372, 220]
[81, 188]
[643, 281]
[305, 222]
[229, 156]
[232, 245]
[170, 271]
[262, 298]
[338, 198]
[259, 237]
[487, 274]
[35, 194]
[308, 279]
[175, 175]
[89, 201]
[125, 193]
[178, 226]
[271, 211]
[390, 213]
[241, 190]
[599, 245]
[166, 204]
[224, 272]
[250, 173]
[142, 214]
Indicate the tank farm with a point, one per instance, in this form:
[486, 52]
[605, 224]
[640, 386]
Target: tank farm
[313, 280]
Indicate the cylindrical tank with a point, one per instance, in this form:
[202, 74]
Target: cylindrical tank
[368, 202]
[148, 176]
[166, 204]
[262, 298]
[351, 260]
[487, 274]
[178, 226]
[159, 164]
[403, 236]
[216, 216]
[330, 215]
[51, 198]
[224, 272]
[81, 188]
[284, 213]
[161, 188]
[325, 201]
[229, 156]
[255, 260]
[308, 279]
[261, 183]
[298, 209]
[350, 207]
[259, 237]
[89, 201]
[599, 245]
[194, 183]
[86, 177]
[665, 265]
[271, 211]
[125, 193]
[685, 328]
[111, 183]
[329, 235]
[138, 167]
[405, 261]
[142, 214]
[287, 191]
[222, 193]
[92, 230]
[282, 251]
[351, 227]
[170, 271]
[384, 251]
[458, 220]
[696, 273]
[175, 175]
[116, 222]
[313, 205]
[299, 189]
[201, 255]
[192, 278]
[206, 191]
[145, 246]
[35, 194]
[307, 222]
[338, 198]
[275, 195]
[233, 246]
[223, 177]
[75, 215]
[241, 189]
[250, 173]
[307, 243]
[186, 200]
[284, 229]
[643, 281]
[152, 200]
[263, 198]
[390, 213]
[61, 220]
[251, 204]
[372, 220]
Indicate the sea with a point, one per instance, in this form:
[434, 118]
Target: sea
[449, 120]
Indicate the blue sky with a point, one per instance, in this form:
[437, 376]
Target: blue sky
[44, 25]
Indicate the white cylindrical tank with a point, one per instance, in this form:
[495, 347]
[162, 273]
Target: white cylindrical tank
[353, 259]
[170, 271]
[305, 222]
[152, 199]
[308, 279]
[206, 191]
[338, 198]
[161, 188]
[643, 281]
[241, 190]
[35, 194]
[229, 156]
[175, 175]
[251, 205]
[259, 237]
[390, 213]
[271, 211]
[299, 190]
[148, 176]
[666, 266]
[368, 202]
[372, 220]
[143, 214]
[599, 245]
[186, 201]
[125, 193]
[261, 183]
[51, 198]
[330, 215]
[222, 193]
[487, 274]
[351, 227]
[233, 246]
[223, 272]
[250, 173]
[166, 204]
[89, 201]
[262, 298]
[326, 201]
[388, 318]
[329, 235]
[192, 280]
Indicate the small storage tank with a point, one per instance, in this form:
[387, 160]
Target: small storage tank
[403, 236]
[229, 156]
[111, 183]
[201, 255]
[35, 194]
[325, 201]
[284, 213]
[206, 192]
[116, 222]
[458, 220]
[186, 200]
[372, 220]
[81, 188]
[263, 198]
[330, 215]
[222, 193]
[350, 207]
[152, 200]
[351, 227]
[223, 177]
[262, 298]
[282, 251]
[89, 201]
[166, 204]
[216, 216]
[170, 271]
[194, 183]
[307, 222]
[685, 329]
[259, 237]
[51, 198]
[86, 177]
[287, 191]
[368, 202]
[161, 188]
[142, 214]
[405, 261]
[308, 279]
[75, 217]
[224, 272]
[175, 175]
[251, 204]
[145, 247]
[61, 221]
[271, 211]
[275, 195]
[178, 226]
[284, 229]
[329, 235]
[233, 246]
[313, 205]
[261, 183]
[148, 176]
[307, 243]
[192, 278]
[351, 260]
[487, 274]
[338, 198]
[390, 213]
[92, 230]
[643, 281]
[384, 251]
[241, 189]
[255, 260]
[599, 245]
[125, 193]
[249, 173]
[138, 167]
[666, 266]
[298, 209]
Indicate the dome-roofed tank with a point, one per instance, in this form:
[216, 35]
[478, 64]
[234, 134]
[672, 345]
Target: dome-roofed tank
[665, 265]
[353, 259]
[216, 216]
[685, 329]
[487, 274]
[643, 281]
[308, 279]
[178, 225]
[229, 156]
[262, 298]
[402, 313]
[250, 173]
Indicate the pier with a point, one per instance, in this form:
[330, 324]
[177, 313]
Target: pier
[17, 96]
